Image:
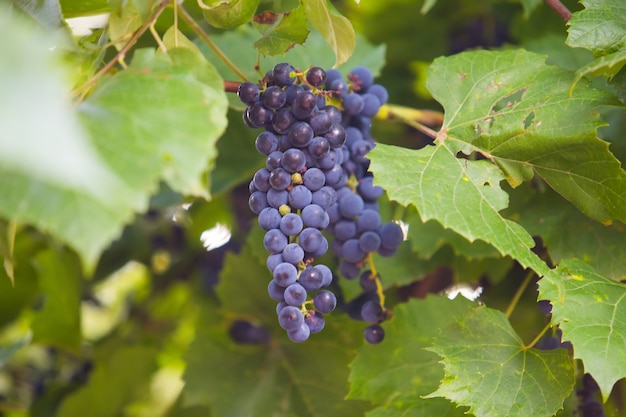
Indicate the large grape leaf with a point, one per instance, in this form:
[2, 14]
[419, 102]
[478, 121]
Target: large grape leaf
[278, 37]
[590, 309]
[336, 29]
[514, 109]
[280, 378]
[397, 373]
[488, 368]
[462, 195]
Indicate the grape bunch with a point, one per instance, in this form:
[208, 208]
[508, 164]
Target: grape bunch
[316, 133]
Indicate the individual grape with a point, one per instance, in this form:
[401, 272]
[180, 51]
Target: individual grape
[280, 179]
[315, 321]
[374, 334]
[353, 104]
[257, 201]
[273, 260]
[368, 190]
[333, 112]
[334, 175]
[371, 105]
[266, 143]
[311, 278]
[315, 76]
[349, 270]
[321, 250]
[281, 74]
[319, 147]
[361, 78]
[336, 135]
[280, 306]
[274, 241]
[291, 224]
[290, 318]
[353, 135]
[314, 179]
[275, 291]
[251, 187]
[282, 121]
[300, 197]
[352, 252]
[327, 275]
[304, 105]
[274, 98]
[269, 218]
[369, 242]
[320, 122]
[333, 74]
[293, 254]
[371, 312]
[391, 235]
[285, 274]
[345, 229]
[338, 87]
[295, 294]
[329, 161]
[325, 301]
[333, 213]
[380, 92]
[292, 91]
[293, 160]
[248, 93]
[311, 239]
[259, 115]
[359, 149]
[300, 134]
[245, 333]
[368, 220]
[367, 282]
[262, 179]
[300, 335]
[350, 205]
[324, 197]
[273, 160]
[277, 198]
[314, 216]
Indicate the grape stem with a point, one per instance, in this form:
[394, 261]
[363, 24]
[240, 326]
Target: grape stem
[417, 119]
[119, 57]
[196, 28]
[518, 293]
[379, 286]
[560, 9]
[538, 337]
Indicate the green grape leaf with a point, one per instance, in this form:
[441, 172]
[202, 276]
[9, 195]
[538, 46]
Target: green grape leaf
[336, 30]
[433, 407]
[567, 233]
[515, 110]
[399, 371]
[118, 378]
[78, 8]
[600, 27]
[58, 321]
[607, 65]
[123, 23]
[228, 14]
[166, 113]
[278, 36]
[462, 195]
[46, 13]
[590, 309]
[488, 368]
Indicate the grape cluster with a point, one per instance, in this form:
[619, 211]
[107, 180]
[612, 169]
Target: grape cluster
[316, 180]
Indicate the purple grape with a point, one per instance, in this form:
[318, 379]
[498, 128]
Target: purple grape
[315, 321]
[374, 334]
[295, 294]
[290, 318]
[325, 301]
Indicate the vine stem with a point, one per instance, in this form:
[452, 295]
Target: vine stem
[560, 9]
[196, 28]
[417, 119]
[518, 294]
[122, 52]
[379, 286]
[538, 337]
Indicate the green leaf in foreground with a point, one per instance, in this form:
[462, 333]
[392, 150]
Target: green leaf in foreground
[396, 373]
[607, 65]
[514, 109]
[488, 368]
[278, 38]
[590, 309]
[462, 195]
[336, 30]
